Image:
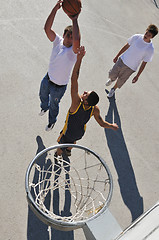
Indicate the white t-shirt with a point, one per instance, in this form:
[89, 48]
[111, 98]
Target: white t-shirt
[138, 51]
[61, 63]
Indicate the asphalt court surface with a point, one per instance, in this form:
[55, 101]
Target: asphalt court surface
[131, 153]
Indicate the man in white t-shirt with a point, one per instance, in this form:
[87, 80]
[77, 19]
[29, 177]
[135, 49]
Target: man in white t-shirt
[62, 60]
[138, 50]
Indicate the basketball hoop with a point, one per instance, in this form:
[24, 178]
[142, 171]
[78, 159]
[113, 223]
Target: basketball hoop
[66, 192]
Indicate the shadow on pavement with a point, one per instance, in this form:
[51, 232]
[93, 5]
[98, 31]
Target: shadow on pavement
[122, 163]
[56, 234]
[36, 229]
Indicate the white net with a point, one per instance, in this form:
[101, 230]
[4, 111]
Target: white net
[69, 189]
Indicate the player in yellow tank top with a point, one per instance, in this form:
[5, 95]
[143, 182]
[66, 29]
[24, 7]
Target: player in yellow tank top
[81, 109]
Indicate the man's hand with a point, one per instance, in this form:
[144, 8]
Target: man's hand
[115, 126]
[74, 17]
[81, 53]
[58, 5]
[115, 59]
[135, 79]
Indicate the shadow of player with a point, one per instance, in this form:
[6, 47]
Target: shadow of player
[36, 229]
[122, 163]
[56, 234]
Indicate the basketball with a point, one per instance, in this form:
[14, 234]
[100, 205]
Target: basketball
[71, 7]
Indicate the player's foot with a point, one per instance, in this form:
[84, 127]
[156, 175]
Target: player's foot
[68, 152]
[57, 164]
[42, 112]
[111, 93]
[109, 82]
[58, 158]
[49, 127]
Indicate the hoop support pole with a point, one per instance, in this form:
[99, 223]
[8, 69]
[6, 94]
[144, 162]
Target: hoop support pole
[104, 226]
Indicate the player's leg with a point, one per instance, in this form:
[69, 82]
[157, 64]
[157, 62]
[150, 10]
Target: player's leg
[114, 72]
[124, 75]
[56, 93]
[59, 152]
[62, 139]
[68, 150]
[44, 95]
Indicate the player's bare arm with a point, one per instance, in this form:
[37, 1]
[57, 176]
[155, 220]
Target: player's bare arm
[76, 33]
[101, 122]
[126, 46]
[143, 65]
[74, 80]
[49, 22]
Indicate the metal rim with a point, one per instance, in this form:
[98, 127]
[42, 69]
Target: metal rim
[67, 226]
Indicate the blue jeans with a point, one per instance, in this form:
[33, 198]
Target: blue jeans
[50, 96]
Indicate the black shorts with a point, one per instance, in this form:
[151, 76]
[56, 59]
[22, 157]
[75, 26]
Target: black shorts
[63, 139]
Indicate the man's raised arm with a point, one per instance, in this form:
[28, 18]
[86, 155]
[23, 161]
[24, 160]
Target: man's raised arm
[49, 22]
[75, 33]
[74, 79]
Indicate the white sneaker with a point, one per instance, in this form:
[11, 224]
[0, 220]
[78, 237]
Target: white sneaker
[109, 82]
[42, 112]
[49, 127]
[59, 158]
[111, 93]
